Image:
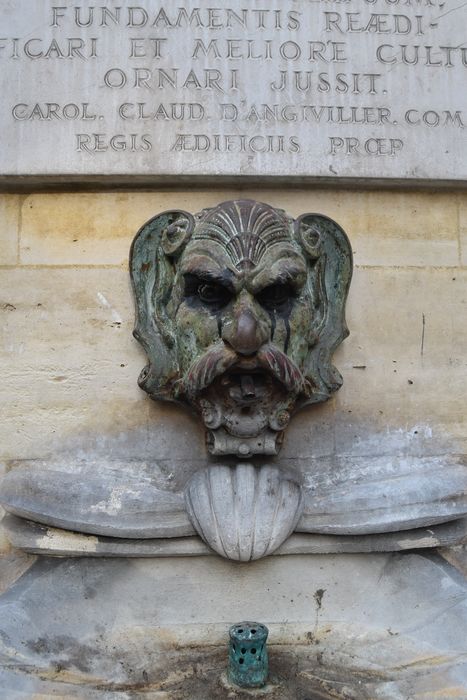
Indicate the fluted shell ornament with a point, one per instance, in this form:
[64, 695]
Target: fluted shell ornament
[243, 512]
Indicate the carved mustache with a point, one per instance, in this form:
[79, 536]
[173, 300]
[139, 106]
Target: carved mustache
[220, 358]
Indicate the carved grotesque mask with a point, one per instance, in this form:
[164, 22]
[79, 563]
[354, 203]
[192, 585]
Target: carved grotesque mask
[239, 309]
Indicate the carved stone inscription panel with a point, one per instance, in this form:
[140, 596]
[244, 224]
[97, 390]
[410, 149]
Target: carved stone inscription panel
[362, 89]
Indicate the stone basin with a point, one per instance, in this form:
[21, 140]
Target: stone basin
[353, 627]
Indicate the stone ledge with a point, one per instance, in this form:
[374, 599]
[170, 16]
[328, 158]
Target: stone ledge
[39, 539]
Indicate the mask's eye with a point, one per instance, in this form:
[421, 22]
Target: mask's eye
[211, 294]
[276, 297]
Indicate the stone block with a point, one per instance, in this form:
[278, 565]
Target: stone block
[402, 229]
[385, 228]
[403, 364]
[71, 370]
[420, 216]
[80, 228]
[9, 228]
[463, 227]
[391, 251]
[97, 228]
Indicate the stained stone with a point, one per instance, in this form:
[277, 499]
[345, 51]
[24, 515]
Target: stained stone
[12, 566]
[40, 539]
[383, 626]
[351, 495]
[457, 556]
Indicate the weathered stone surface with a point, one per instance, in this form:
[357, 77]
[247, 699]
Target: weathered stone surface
[404, 364]
[41, 539]
[463, 228]
[358, 627]
[70, 365]
[313, 91]
[355, 495]
[12, 566]
[9, 228]
[457, 556]
[99, 501]
[341, 496]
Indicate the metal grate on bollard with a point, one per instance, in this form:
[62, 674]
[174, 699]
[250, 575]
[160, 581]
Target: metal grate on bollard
[248, 654]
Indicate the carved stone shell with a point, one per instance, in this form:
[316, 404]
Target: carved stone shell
[243, 512]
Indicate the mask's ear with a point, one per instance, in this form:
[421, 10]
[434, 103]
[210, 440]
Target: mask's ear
[155, 247]
[330, 254]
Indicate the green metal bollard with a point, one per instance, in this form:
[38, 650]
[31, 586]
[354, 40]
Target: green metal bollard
[248, 655]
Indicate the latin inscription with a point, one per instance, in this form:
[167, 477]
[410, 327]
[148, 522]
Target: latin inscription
[352, 88]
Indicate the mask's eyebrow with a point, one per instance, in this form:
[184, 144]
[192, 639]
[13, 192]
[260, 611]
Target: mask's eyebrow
[223, 278]
[290, 275]
[286, 272]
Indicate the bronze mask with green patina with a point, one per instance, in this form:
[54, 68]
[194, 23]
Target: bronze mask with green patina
[239, 308]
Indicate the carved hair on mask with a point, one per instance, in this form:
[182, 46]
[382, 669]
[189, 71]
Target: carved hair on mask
[239, 309]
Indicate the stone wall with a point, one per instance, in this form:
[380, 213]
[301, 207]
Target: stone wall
[70, 364]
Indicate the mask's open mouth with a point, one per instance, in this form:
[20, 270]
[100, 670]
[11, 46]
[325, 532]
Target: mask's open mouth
[246, 410]
[245, 386]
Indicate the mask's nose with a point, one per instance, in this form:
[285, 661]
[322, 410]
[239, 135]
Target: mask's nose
[245, 333]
